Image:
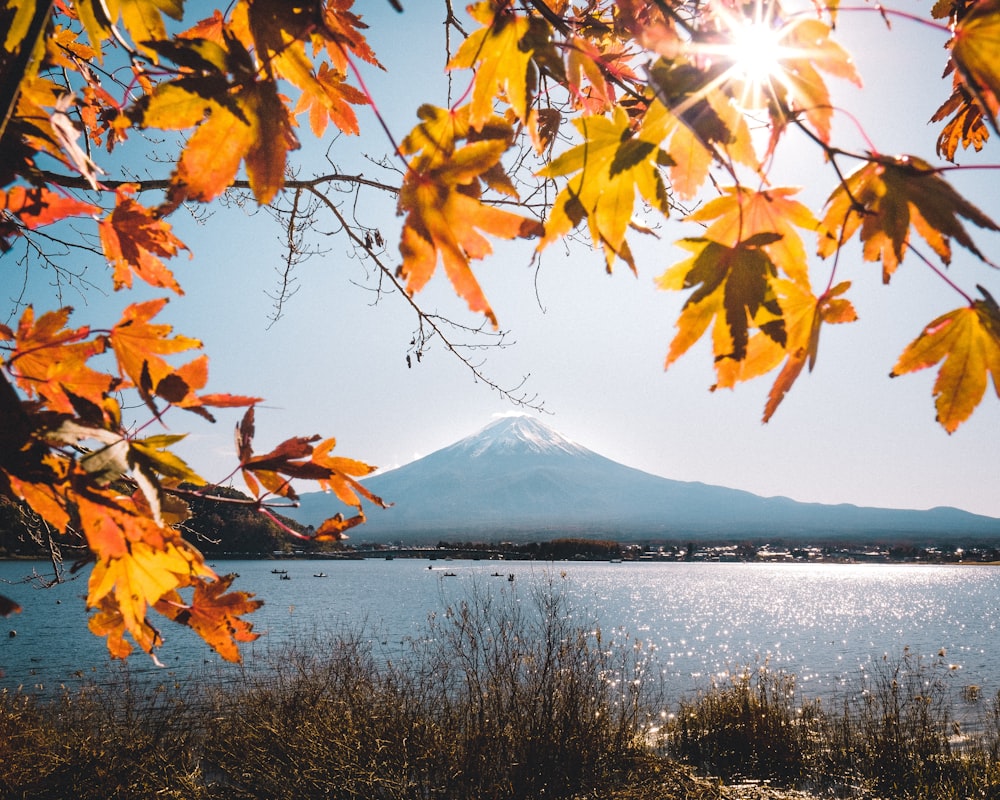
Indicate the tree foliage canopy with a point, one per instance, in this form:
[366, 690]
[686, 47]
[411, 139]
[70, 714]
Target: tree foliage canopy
[573, 119]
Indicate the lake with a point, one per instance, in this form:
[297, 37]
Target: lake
[821, 622]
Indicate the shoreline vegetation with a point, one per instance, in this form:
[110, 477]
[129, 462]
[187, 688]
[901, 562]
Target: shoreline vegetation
[501, 698]
[235, 530]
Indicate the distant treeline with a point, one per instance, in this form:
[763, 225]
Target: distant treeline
[226, 524]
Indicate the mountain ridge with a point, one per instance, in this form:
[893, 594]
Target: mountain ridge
[517, 478]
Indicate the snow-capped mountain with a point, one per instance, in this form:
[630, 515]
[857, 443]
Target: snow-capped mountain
[514, 434]
[519, 479]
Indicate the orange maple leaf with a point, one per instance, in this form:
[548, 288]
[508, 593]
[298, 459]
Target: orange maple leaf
[109, 622]
[138, 346]
[339, 479]
[37, 206]
[49, 360]
[342, 32]
[440, 198]
[214, 614]
[134, 239]
[974, 53]
[333, 103]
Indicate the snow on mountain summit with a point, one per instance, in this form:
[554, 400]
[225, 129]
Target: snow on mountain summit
[518, 434]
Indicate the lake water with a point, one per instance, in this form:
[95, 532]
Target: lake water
[823, 623]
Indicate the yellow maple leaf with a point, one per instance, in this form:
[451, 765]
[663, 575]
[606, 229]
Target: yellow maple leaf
[608, 169]
[143, 19]
[502, 61]
[742, 212]
[734, 286]
[967, 342]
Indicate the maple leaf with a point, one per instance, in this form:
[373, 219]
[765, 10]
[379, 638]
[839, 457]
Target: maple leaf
[503, 61]
[332, 103]
[143, 19]
[700, 122]
[339, 479]
[590, 90]
[734, 284]
[214, 614]
[610, 167]
[299, 458]
[38, 206]
[975, 53]
[741, 213]
[208, 28]
[180, 387]
[884, 198]
[109, 622]
[144, 568]
[332, 529]
[135, 239]
[243, 121]
[280, 31]
[138, 347]
[342, 32]
[440, 198]
[967, 126]
[967, 342]
[806, 47]
[804, 316]
[124, 588]
[276, 468]
[49, 360]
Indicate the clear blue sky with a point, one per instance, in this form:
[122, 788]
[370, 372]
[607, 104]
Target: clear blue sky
[593, 345]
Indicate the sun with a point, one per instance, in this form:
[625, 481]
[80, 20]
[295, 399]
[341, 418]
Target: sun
[751, 46]
[755, 50]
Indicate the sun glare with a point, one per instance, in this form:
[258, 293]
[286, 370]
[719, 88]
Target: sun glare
[755, 50]
[751, 46]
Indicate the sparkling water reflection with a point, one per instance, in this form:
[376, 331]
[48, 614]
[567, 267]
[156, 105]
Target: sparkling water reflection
[822, 623]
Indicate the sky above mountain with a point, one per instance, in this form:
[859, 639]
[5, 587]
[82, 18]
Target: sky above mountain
[587, 346]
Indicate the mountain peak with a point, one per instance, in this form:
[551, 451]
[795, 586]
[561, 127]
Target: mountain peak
[519, 433]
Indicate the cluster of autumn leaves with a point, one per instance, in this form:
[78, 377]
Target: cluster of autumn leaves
[659, 108]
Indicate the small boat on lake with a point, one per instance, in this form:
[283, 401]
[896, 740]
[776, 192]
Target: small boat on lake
[320, 575]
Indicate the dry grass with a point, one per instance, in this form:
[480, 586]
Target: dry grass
[503, 698]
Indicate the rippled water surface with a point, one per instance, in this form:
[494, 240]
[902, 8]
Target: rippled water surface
[820, 622]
